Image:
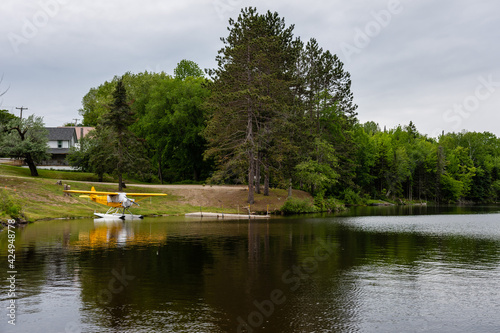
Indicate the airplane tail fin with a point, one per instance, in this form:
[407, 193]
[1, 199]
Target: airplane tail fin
[93, 196]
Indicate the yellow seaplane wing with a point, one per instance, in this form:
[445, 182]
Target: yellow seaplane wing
[115, 200]
[116, 193]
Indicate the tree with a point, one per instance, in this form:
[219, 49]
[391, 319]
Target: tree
[366, 154]
[187, 68]
[93, 154]
[326, 104]
[126, 149]
[251, 89]
[6, 117]
[95, 103]
[168, 118]
[319, 175]
[171, 121]
[26, 139]
[114, 147]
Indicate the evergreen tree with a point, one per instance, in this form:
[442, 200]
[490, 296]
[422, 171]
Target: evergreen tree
[123, 150]
[251, 93]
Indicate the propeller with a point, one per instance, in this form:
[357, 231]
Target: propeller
[129, 202]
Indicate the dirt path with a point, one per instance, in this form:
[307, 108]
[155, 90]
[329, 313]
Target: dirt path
[227, 196]
[232, 197]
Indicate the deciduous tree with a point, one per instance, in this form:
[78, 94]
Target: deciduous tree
[26, 139]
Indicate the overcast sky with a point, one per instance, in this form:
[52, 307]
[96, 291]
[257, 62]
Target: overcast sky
[435, 63]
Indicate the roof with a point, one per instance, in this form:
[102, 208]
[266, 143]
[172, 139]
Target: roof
[81, 130]
[61, 133]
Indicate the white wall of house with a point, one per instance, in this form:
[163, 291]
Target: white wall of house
[61, 144]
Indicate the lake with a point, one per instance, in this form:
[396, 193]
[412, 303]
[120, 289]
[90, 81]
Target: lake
[382, 269]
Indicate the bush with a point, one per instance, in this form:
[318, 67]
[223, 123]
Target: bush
[328, 204]
[297, 206]
[7, 207]
[351, 198]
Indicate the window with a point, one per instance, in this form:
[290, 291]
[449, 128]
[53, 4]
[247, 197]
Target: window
[59, 144]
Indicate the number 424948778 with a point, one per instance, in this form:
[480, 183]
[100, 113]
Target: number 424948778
[11, 229]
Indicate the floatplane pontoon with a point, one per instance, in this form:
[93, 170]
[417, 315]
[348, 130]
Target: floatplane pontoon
[119, 202]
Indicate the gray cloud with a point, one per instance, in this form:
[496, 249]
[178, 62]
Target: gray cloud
[419, 63]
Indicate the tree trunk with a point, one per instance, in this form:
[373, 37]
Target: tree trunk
[251, 175]
[257, 174]
[119, 168]
[120, 182]
[160, 174]
[31, 165]
[251, 154]
[266, 181]
[290, 189]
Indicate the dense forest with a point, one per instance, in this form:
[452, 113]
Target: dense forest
[276, 112]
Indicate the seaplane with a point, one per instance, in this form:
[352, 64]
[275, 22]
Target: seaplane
[119, 202]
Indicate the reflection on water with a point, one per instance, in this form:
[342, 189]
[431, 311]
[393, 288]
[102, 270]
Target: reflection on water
[383, 271]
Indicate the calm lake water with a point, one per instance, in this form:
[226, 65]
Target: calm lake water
[392, 269]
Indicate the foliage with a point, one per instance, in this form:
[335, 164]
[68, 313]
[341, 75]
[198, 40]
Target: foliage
[297, 206]
[283, 107]
[112, 147]
[250, 93]
[170, 121]
[168, 118]
[279, 112]
[25, 139]
[6, 117]
[403, 163]
[350, 197]
[187, 68]
[8, 207]
[328, 204]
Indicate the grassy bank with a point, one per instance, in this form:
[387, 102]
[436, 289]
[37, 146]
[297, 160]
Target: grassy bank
[37, 198]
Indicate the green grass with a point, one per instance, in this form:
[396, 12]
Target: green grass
[8, 170]
[36, 198]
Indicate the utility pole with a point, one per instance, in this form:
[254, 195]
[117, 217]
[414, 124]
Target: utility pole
[76, 121]
[21, 108]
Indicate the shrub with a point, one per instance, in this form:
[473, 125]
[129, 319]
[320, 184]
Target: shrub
[328, 204]
[297, 206]
[7, 206]
[351, 198]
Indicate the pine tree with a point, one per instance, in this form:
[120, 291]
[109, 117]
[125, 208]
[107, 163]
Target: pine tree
[123, 150]
[250, 90]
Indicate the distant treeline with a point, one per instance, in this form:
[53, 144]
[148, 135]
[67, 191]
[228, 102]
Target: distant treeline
[278, 112]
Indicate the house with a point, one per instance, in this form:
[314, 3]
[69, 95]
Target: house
[61, 139]
[81, 131]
